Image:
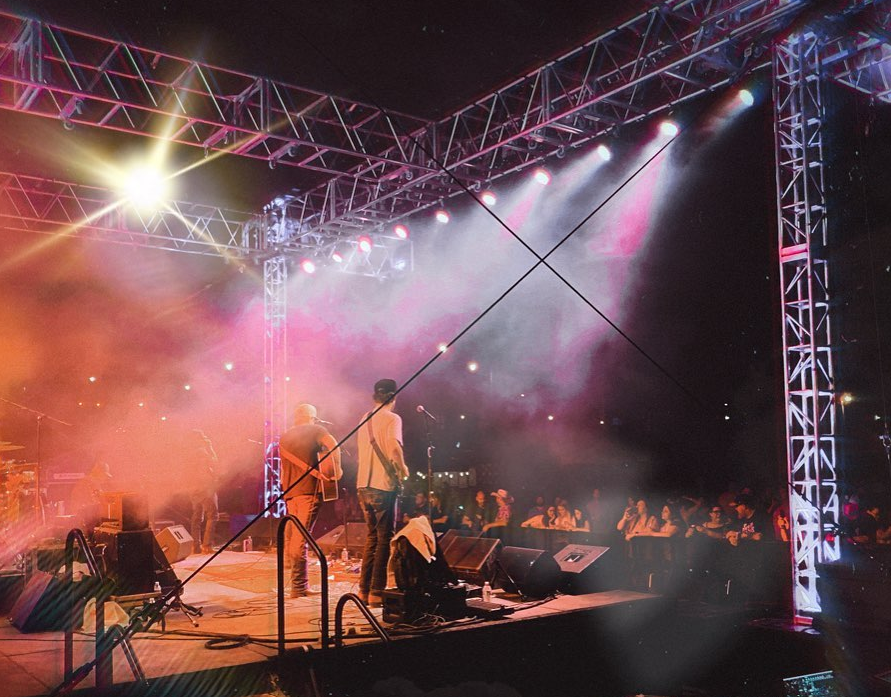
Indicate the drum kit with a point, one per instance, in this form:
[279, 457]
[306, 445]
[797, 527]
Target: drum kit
[18, 488]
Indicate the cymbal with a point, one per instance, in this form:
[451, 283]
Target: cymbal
[6, 447]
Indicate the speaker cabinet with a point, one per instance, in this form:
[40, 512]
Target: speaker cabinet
[176, 543]
[129, 560]
[588, 569]
[352, 537]
[533, 573]
[124, 510]
[46, 603]
[470, 558]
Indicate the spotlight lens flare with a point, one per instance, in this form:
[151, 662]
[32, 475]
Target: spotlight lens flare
[473, 366]
[308, 266]
[442, 216]
[542, 176]
[365, 244]
[337, 258]
[746, 97]
[144, 187]
[489, 198]
[604, 153]
[443, 347]
[669, 129]
[401, 232]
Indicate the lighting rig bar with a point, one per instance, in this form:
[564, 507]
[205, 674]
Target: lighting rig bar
[82, 79]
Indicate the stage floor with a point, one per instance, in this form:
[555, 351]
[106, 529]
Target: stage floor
[237, 592]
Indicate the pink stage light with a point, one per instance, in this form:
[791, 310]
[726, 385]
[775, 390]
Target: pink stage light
[669, 129]
[365, 244]
[442, 216]
[401, 232]
[489, 198]
[542, 176]
[308, 266]
[604, 153]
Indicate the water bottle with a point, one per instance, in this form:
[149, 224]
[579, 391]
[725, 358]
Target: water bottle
[157, 590]
[487, 592]
[345, 555]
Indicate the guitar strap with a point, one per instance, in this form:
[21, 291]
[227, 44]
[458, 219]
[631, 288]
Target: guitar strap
[377, 450]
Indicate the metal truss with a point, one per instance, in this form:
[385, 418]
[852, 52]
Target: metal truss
[862, 60]
[82, 79]
[51, 207]
[275, 383]
[805, 298]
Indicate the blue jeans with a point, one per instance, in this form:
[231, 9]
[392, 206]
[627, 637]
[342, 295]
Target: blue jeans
[378, 508]
[304, 507]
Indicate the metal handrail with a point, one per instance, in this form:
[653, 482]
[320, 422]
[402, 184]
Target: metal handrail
[372, 620]
[104, 662]
[280, 572]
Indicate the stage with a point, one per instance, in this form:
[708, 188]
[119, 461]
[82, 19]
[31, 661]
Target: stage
[237, 594]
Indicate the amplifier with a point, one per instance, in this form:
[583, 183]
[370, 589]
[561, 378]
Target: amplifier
[408, 606]
[129, 560]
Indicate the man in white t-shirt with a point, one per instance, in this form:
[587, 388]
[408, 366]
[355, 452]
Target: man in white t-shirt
[378, 481]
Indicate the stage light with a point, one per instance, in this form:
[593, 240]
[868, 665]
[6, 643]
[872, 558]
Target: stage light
[489, 198]
[308, 266]
[847, 398]
[337, 258]
[542, 176]
[401, 232]
[473, 366]
[287, 378]
[365, 244]
[604, 153]
[144, 186]
[550, 417]
[141, 404]
[602, 422]
[80, 404]
[228, 365]
[462, 417]
[163, 418]
[187, 387]
[92, 378]
[746, 97]
[442, 216]
[669, 129]
[443, 347]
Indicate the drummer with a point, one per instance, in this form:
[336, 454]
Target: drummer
[86, 496]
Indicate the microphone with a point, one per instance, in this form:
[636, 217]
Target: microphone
[426, 413]
[322, 421]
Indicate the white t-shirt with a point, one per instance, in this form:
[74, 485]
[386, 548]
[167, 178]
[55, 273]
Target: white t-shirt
[387, 428]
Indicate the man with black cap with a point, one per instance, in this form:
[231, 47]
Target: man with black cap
[302, 477]
[378, 481]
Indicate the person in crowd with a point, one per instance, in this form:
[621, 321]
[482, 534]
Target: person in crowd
[715, 527]
[418, 508]
[378, 481]
[595, 509]
[477, 513]
[636, 520]
[691, 509]
[542, 520]
[439, 519]
[502, 518]
[866, 531]
[672, 523]
[537, 508]
[564, 519]
[751, 525]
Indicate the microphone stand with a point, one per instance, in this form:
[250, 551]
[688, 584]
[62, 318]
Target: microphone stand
[430, 449]
[39, 416]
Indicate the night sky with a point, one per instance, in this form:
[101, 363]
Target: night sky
[700, 298]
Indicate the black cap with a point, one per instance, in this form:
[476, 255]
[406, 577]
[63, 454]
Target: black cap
[385, 387]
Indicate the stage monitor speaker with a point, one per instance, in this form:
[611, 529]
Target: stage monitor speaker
[176, 543]
[588, 569]
[352, 537]
[530, 572]
[129, 559]
[470, 558]
[46, 602]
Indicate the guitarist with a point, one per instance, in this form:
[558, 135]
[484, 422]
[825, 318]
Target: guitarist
[379, 481]
[304, 481]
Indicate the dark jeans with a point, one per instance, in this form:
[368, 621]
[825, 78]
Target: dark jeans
[206, 509]
[304, 507]
[378, 509]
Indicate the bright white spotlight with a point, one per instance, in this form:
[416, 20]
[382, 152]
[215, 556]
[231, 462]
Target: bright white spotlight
[443, 347]
[489, 198]
[401, 232]
[542, 176]
[746, 97]
[473, 366]
[228, 365]
[365, 244]
[144, 186]
[669, 129]
[442, 216]
[604, 153]
[308, 266]
[337, 258]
